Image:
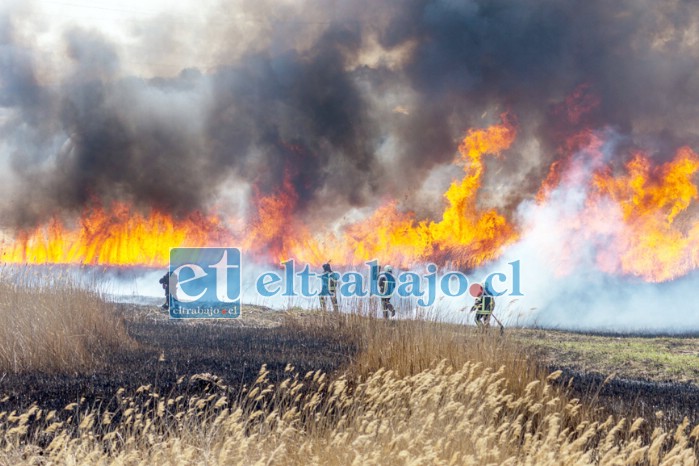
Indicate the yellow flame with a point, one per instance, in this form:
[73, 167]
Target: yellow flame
[120, 236]
[465, 235]
[652, 243]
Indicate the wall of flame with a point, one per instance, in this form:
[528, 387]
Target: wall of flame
[639, 217]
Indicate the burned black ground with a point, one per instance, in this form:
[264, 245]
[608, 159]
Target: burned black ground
[663, 403]
[167, 350]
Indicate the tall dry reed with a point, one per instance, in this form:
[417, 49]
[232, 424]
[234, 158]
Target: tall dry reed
[442, 415]
[51, 322]
[415, 393]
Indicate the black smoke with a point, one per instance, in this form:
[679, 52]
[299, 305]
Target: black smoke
[313, 104]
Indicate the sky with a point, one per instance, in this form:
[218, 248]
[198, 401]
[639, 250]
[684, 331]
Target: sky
[44, 22]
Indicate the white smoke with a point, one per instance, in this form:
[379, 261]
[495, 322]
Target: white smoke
[562, 284]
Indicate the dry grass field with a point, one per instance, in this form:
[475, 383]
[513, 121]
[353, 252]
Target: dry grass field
[401, 392]
[658, 358]
[51, 323]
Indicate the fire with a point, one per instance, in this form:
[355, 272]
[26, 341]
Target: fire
[120, 236]
[652, 242]
[583, 142]
[639, 222]
[465, 235]
[476, 236]
[269, 230]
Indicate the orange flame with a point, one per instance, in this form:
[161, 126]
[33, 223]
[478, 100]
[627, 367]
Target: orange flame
[268, 231]
[119, 236]
[465, 234]
[640, 221]
[652, 243]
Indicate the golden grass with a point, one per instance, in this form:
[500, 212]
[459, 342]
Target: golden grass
[52, 323]
[438, 416]
[417, 393]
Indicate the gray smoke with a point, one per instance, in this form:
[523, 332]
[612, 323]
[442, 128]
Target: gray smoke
[351, 104]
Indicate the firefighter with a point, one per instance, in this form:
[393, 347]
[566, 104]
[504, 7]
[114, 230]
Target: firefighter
[484, 307]
[165, 282]
[387, 283]
[329, 288]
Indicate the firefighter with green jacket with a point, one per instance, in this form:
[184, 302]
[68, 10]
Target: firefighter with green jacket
[328, 291]
[483, 307]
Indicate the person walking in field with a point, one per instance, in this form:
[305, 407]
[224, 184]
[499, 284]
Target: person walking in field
[483, 307]
[387, 283]
[328, 291]
[165, 283]
[169, 284]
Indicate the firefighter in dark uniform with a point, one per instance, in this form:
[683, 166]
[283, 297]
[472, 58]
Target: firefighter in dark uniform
[165, 282]
[329, 289]
[387, 283]
[169, 282]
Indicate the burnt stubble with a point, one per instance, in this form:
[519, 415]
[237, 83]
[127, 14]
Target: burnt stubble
[166, 351]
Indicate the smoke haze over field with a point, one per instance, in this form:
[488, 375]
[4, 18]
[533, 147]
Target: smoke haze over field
[352, 103]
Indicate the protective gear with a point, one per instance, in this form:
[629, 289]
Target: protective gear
[387, 283]
[329, 289]
[484, 307]
[165, 282]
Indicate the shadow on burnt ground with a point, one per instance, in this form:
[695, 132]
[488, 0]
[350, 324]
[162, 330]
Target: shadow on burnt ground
[636, 398]
[167, 350]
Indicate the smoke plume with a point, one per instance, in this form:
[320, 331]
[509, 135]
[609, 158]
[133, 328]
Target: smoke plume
[352, 103]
